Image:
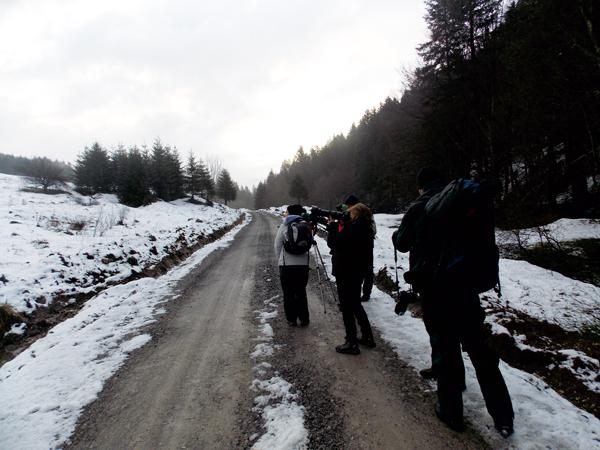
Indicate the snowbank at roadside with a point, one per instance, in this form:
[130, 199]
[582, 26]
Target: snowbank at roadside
[45, 388]
[63, 245]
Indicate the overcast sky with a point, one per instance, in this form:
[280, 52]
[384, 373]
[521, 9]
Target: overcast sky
[247, 80]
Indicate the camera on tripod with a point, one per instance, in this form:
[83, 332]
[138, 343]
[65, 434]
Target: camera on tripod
[319, 213]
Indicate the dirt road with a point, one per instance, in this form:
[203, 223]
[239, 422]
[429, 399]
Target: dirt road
[190, 386]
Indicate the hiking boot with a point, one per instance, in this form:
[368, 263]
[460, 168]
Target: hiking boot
[454, 423]
[428, 374]
[367, 342]
[304, 324]
[348, 348]
[504, 428]
[292, 324]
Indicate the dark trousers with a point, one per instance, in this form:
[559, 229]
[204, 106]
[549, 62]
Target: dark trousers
[293, 283]
[352, 310]
[458, 320]
[367, 285]
[434, 339]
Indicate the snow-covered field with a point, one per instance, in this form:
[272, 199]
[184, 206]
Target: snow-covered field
[44, 389]
[60, 245]
[561, 230]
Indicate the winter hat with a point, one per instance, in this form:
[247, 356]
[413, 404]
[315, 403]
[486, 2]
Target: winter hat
[427, 176]
[296, 210]
[351, 200]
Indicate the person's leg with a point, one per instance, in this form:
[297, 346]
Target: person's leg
[367, 287]
[301, 299]
[345, 295]
[486, 361]
[287, 285]
[449, 376]
[350, 345]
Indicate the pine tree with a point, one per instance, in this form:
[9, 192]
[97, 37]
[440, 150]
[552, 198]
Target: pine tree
[93, 170]
[225, 187]
[132, 180]
[175, 178]
[298, 190]
[159, 170]
[260, 196]
[205, 181]
[192, 176]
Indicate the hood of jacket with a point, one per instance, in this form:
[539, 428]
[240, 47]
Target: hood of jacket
[291, 218]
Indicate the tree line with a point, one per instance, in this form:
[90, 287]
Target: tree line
[511, 93]
[42, 171]
[139, 176]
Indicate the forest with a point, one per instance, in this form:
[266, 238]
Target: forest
[507, 93]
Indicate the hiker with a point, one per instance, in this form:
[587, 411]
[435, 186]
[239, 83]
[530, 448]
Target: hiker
[367, 284]
[414, 236]
[451, 309]
[293, 264]
[351, 242]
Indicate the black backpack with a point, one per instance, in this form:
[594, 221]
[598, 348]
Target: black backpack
[298, 237]
[463, 214]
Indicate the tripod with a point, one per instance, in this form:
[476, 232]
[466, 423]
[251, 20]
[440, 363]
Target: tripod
[319, 259]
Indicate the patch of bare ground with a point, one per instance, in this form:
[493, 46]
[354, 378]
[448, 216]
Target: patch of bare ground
[540, 355]
[66, 305]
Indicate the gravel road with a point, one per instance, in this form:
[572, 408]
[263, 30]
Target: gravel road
[190, 386]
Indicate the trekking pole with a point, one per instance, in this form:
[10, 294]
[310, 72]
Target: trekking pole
[396, 267]
[326, 274]
[320, 284]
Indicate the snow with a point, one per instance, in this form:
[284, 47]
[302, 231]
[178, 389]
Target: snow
[61, 245]
[562, 230]
[277, 401]
[45, 388]
[543, 419]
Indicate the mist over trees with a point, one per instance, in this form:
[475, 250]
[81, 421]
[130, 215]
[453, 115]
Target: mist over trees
[510, 93]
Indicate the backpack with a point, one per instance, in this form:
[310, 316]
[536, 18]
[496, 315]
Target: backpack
[463, 214]
[298, 237]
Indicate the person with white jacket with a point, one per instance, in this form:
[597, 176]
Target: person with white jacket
[293, 272]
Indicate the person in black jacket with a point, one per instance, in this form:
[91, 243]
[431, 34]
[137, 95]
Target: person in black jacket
[351, 242]
[415, 236]
[453, 317]
[368, 277]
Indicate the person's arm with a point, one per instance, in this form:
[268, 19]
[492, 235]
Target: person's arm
[404, 236]
[279, 240]
[332, 232]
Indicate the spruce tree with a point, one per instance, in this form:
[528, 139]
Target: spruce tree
[93, 170]
[225, 187]
[192, 176]
[298, 190]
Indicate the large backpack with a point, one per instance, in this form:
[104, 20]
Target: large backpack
[463, 214]
[298, 237]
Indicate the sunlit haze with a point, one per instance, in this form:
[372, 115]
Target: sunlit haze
[249, 81]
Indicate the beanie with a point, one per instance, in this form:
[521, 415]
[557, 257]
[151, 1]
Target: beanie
[296, 210]
[427, 176]
[351, 200]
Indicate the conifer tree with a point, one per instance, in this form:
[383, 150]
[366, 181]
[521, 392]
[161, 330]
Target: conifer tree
[192, 176]
[226, 188]
[298, 190]
[93, 170]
